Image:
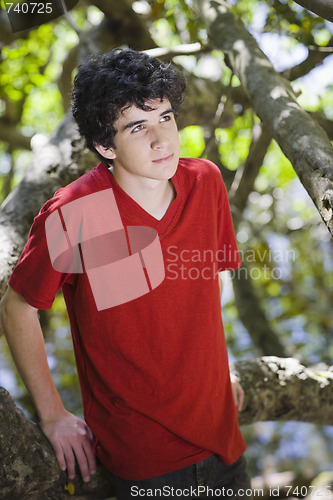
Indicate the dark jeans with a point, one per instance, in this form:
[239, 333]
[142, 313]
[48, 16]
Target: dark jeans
[207, 479]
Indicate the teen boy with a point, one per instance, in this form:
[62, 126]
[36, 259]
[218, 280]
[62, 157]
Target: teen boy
[145, 317]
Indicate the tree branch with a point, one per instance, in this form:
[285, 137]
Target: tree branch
[65, 78]
[10, 134]
[29, 467]
[202, 99]
[179, 50]
[323, 8]
[125, 25]
[324, 122]
[275, 389]
[246, 174]
[314, 59]
[283, 389]
[301, 139]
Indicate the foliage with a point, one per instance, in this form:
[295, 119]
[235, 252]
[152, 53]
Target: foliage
[282, 240]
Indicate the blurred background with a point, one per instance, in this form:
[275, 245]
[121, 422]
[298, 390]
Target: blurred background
[285, 247]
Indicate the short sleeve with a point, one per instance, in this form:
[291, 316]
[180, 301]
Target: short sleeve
[228, 254]
[33, 276]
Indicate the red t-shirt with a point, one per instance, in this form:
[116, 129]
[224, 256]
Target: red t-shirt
[154, 370]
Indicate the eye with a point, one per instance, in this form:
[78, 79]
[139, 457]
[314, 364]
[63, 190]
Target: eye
[165, 118]
[137, 128]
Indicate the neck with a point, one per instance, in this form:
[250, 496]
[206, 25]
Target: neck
[153, 195]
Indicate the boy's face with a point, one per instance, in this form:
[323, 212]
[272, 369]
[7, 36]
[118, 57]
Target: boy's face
[147, 143]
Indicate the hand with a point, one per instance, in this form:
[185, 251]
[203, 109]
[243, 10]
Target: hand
[237, 391]
[71, 438]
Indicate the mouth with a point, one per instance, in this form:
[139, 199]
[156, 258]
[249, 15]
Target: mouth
[165, 159]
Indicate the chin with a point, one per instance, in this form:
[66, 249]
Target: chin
[173, 170]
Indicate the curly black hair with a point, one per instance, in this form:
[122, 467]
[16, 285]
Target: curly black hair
[108, 83]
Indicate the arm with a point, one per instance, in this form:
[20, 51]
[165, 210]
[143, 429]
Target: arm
[68, 434]
[237, 389]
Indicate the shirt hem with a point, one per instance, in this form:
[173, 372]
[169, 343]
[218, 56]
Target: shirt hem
[159, 472]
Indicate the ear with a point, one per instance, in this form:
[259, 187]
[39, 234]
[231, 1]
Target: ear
[106, 152]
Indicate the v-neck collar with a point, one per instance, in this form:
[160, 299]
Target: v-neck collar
[135, 212]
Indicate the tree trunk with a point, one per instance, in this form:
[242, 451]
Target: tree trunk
[266, 341]
[300, 138]
[275, 389]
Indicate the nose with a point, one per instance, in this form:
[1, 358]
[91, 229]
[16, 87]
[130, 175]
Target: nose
[158, 140]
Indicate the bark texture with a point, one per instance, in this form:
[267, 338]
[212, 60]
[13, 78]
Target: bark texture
[28, 465]
[275, 389]
[300, 137]
[284, 389]
[61, 160]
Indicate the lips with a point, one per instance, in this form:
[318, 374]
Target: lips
[164, 159]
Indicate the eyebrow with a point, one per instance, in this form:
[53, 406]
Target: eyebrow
[138, 122]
